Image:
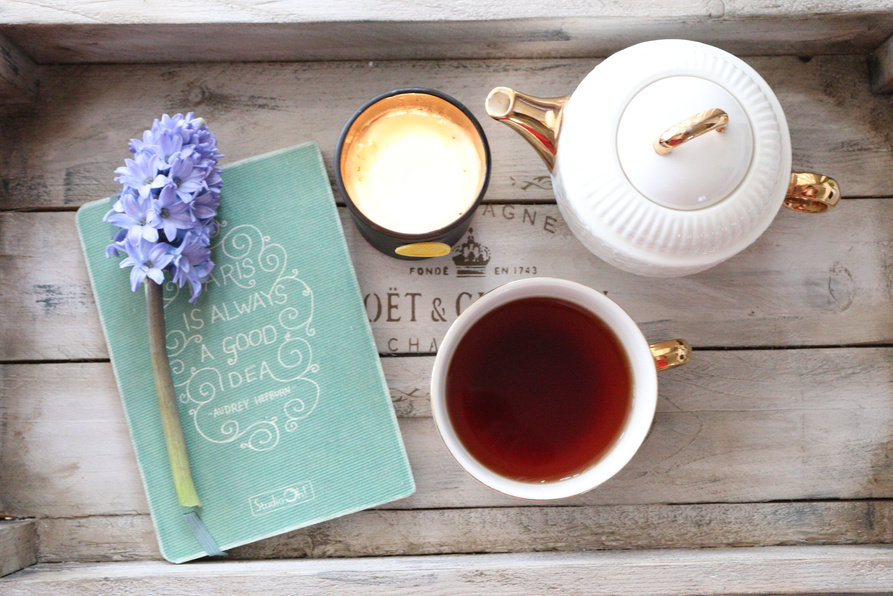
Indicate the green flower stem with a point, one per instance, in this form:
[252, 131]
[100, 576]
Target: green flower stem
[167, 398]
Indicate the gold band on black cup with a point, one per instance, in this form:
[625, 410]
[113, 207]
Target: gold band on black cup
[412, 165]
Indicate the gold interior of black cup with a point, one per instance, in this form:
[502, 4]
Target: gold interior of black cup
[412, 105]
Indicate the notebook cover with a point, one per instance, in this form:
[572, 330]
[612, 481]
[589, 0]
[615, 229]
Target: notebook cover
[285, 410]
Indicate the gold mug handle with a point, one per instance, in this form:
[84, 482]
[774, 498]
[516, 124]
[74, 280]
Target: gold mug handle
[670, 354]
[691, 128]
[811, 193]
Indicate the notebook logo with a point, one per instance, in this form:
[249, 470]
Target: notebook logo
[282, 498]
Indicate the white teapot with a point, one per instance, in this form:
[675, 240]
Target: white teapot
[669, 158]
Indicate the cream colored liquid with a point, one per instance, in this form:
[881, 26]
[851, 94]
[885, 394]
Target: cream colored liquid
[414, 172]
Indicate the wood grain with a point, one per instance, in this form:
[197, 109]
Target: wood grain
[777, 570]
[18, 545]
[736, 426]
[503, 529]
[168, 12]
[808, 281]
[244, 11]
[18, 74]
[880, 64]
[838, 127]
[115, 31]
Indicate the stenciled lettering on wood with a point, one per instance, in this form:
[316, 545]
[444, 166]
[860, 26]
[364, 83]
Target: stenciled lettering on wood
[414, 301]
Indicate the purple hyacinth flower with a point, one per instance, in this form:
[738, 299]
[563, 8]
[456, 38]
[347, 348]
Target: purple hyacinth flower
[170, 197]
[148, 259]
[169, 213]
[204, 206]
[137, 145]
[134, 217]
[139, 173]
[192, 263]
[168, 147]
[115, 249]
[214, 181]
[118, 205]
[205, 230]
[161, 182]
[173, 124]
[187, 178]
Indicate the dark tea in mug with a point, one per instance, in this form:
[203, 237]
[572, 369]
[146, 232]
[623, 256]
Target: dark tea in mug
[538, 389]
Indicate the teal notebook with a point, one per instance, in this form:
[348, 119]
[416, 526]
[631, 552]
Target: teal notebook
[286, 414]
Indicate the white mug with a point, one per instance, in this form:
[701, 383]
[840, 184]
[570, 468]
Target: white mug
[644, 360]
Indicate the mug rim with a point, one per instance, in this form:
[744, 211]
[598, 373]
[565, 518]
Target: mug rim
[643, 403]
[375, 226]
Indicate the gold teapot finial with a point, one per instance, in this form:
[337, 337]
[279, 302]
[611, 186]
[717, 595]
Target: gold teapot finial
[536, 119]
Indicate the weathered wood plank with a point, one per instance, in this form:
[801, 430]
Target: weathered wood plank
[256, 108]
[59, 298]
[295, 11]
[735, 426]
[18, 74]
[776, 570]
[503, 529]
[766, 296]
[880, 64]
[577, 37]
[169, 12]
[18, 545]
[89, 31]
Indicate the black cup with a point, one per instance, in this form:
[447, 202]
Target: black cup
[394, 243]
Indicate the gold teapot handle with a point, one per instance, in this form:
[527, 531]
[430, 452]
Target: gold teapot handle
[811, 193]
[670, 354]
[690, 128]
[807, 193]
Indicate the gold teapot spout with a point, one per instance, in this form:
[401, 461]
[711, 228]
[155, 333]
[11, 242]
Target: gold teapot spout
[536, 119]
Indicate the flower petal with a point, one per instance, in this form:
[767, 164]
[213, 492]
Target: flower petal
[156, 275]
[149, 233]
[137, 276]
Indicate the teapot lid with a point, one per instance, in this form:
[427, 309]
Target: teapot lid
[712, 194]
[689, 175]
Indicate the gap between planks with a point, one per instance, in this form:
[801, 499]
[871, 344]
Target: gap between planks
[504, 529]
[700, 349]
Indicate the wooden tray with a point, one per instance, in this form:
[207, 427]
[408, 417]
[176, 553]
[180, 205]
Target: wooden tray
[768, 468]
